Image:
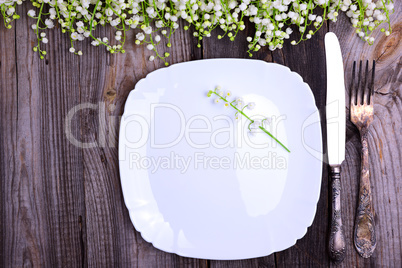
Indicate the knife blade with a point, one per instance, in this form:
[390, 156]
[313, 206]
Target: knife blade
[336, 135]
[336, 116]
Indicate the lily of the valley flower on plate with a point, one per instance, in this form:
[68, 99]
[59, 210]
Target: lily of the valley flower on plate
[255, 126]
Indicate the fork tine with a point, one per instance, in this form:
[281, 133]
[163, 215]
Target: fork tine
[352, 86]
[372, 84]
[366, 89]
[359, 92]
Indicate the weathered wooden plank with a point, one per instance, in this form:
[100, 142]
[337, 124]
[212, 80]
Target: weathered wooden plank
[384, 143]
[268, 262]
[62, 164]
[8, 130]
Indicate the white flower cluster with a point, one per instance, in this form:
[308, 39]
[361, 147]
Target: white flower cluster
[237, 103]
[368, 16]
[255, 126]
[7, 10]
[274, 20]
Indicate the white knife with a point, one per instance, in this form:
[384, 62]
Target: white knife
[336, 135]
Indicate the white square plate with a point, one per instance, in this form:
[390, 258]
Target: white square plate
[196, 183]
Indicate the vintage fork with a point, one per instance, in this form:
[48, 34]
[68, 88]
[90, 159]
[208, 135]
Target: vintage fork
[361, 114]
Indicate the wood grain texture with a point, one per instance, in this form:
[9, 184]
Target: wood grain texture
[62, 205]
[8, 131]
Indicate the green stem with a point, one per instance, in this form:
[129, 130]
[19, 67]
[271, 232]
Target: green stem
[272, 136]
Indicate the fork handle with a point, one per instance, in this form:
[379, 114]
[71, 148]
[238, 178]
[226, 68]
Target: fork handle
[337, 243]
[364, 235]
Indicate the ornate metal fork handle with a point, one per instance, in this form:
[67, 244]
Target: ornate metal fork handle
[337, 243]
[364, 234]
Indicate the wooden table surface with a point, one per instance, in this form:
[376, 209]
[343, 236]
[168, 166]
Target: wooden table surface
[62, 205]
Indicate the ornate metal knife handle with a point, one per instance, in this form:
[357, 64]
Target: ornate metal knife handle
[337, 243]
[364, 235]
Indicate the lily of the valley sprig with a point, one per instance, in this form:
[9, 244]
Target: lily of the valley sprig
[238, 105]
[155, 21]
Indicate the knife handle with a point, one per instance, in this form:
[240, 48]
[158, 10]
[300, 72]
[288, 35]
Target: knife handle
[337, 243]
[364, 235]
